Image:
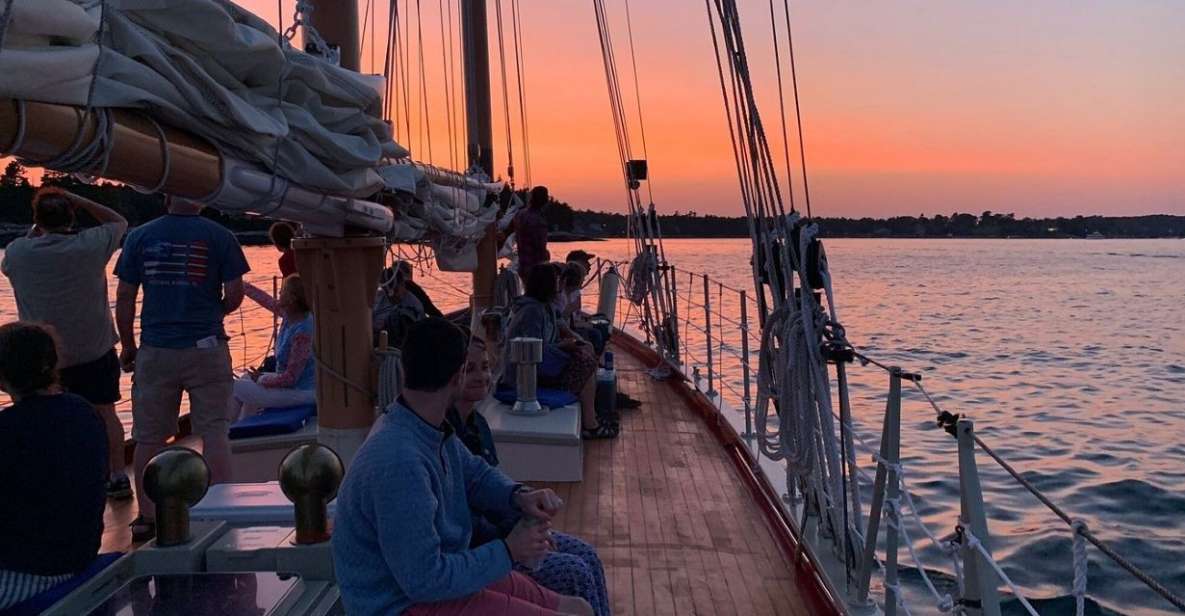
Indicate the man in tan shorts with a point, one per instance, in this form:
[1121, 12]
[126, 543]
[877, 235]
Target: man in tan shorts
[191, 270]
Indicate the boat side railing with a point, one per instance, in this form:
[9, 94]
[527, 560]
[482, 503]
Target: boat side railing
[717, 354]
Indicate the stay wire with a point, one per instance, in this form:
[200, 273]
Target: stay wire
[520, 70]
[445, 48]
[425, 116]
[629, 25]
[806, 188]
[773, 22]
[505, 94]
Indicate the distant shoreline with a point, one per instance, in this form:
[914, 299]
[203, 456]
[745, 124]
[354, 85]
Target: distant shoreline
[9, 233]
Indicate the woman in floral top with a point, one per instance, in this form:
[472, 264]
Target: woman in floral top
[294, 381]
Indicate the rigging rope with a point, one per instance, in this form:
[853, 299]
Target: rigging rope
[445, 67]
[505, 94]
[659, 303]
[520, 69]
[806, 188]
[425, 116]
[782, 105]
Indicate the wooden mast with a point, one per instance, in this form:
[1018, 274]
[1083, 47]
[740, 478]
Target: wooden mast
[475, 34]
[341, 275]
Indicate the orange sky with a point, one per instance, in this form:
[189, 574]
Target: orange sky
[1050, 108]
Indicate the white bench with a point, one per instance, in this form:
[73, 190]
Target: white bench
[541, 448]
[258, 458]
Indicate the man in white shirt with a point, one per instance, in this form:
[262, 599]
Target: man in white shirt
[59, 277]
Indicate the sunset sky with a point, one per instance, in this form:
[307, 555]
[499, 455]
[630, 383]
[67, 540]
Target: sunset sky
[1040, 108]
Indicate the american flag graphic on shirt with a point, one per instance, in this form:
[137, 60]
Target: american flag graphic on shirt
[176, 263]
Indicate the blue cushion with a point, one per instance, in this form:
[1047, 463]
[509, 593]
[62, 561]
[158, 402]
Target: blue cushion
[551, 398]
[270, 422]
[39, 603]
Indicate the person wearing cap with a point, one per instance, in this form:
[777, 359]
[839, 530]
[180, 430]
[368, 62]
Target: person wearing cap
[581, 257]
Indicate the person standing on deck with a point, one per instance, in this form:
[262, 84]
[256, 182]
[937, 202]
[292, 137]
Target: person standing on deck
[530, 233]
[281, 234]
[191, 270]
[59, 278]
[403, 526]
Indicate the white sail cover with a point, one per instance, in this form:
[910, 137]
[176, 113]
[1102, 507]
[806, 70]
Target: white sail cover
[212, 68]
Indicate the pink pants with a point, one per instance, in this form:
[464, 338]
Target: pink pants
[513, 595]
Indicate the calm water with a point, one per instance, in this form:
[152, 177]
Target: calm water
[1069, 354]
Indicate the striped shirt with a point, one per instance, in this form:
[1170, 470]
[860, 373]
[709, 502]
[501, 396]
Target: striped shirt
[16, 586]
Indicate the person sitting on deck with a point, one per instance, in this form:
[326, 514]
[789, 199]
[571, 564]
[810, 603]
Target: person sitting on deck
[281, 235]
[395, 307]
[574, 567]
[59, 278]
[571, 284]
[417, 291]
[294, 381]
[192, 270]
[401, 542]
[569, 362]
[53, 457]
[530, 233]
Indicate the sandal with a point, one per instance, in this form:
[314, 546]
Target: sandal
[602, 431]
[143, 529]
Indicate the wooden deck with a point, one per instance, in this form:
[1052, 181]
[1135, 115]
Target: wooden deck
[676, 527]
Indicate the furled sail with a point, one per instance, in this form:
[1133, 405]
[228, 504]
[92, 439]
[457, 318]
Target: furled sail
[296, 137]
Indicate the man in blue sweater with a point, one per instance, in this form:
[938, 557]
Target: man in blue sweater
[403, 525]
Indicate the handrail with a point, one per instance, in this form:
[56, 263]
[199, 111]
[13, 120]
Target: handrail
[696, 318]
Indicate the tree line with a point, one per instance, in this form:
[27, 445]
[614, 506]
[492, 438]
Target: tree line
[962, 225]
[16, 193]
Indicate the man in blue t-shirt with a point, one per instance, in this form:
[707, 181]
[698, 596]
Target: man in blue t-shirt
[191, 270]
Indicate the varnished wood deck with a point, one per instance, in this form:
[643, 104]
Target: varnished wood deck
[677, 529]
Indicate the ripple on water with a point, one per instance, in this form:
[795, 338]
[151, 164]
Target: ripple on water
[1131, 500]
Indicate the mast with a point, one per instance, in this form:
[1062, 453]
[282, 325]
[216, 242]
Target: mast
[337, 21]
[342, 275]
[475, 36]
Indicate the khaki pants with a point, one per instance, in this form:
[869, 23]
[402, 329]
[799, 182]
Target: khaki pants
[163, 374]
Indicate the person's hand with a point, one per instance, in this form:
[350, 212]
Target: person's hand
[529, 541]
[127, 358]
[542, 504]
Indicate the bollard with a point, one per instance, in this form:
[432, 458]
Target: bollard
[309, 477]
[526, 354]
[175, 479]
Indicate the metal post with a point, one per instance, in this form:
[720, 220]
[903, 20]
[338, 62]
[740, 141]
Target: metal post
[980, 592]
[846, 427]
[745, 365]
[886, 477]
[708, 335]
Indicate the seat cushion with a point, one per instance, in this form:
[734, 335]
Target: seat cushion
[551, 398]
[39, 603]
[273, 421]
